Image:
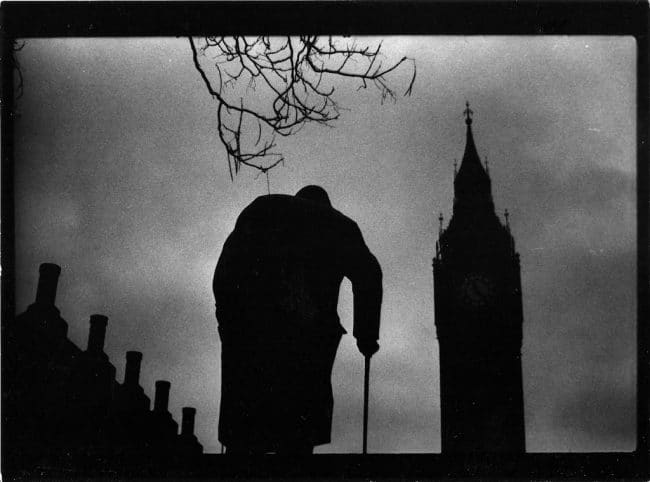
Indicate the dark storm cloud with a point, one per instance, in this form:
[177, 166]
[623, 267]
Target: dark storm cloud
[603, 415]
[600, 280]
[605, 316]
[591, 190]
[560, 359]
[598, 195]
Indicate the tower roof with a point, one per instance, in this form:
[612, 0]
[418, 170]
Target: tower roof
[472, 186]
[471, 168]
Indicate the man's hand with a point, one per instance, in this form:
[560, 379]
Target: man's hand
[367, 347]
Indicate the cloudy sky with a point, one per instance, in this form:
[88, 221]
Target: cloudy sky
[121, 180]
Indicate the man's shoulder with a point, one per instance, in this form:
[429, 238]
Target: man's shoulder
[286, 207]
[273, 200]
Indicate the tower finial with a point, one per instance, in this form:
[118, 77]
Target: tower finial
[506, 214]
[468, 114]
[455, 167]
[440, 219]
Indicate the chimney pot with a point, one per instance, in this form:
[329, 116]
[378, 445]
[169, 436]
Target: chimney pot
[132, 371]
[162, 396]
[187, 427]
[97, 333]
[47, 282]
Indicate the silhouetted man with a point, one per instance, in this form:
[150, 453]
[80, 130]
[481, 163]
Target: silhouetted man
[276, 288]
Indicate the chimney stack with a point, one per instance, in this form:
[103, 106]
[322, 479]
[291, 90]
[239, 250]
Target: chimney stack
[97, 334]
[132, 371]
[47, 281]
[162, 396]
[187, 427]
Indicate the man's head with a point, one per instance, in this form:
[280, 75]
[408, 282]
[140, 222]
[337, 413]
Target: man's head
[315, 194]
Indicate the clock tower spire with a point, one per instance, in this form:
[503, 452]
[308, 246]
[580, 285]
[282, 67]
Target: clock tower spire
[478, 318]
[472, 185]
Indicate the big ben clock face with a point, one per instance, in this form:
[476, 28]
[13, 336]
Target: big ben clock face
[477, 290]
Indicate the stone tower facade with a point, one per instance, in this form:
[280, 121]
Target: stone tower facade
[479, 317]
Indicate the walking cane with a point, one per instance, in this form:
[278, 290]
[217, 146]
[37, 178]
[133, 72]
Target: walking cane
[365, 404]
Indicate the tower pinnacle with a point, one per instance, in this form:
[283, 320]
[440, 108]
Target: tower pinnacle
[468, 114]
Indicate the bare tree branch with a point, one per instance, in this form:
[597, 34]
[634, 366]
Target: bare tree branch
[268, 86]
[17, 47]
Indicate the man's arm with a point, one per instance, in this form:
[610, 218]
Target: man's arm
[364, 272]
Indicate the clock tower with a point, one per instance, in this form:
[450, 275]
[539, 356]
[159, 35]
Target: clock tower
[478, 317]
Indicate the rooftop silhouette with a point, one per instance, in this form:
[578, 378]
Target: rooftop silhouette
[62, 405]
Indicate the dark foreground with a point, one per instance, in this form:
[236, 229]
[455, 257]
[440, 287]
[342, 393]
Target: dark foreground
[374, 466]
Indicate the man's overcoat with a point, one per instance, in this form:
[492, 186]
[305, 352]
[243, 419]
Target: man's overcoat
[276, 289]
